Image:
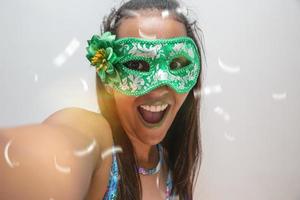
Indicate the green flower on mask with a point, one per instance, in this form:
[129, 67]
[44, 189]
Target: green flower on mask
[101, 55]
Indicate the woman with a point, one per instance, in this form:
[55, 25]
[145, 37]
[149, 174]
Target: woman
[148, 74]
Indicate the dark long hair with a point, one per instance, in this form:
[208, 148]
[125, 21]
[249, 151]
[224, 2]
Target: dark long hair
[182, 142]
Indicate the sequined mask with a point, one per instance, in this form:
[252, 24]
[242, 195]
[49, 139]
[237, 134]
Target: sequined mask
[141, 65]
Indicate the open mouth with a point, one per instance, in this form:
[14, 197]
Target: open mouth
[153, 114]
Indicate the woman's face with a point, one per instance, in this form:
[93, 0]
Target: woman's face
[147, 118]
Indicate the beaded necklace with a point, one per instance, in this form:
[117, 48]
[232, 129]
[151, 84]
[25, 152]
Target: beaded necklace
[111, 193]
[156, 169]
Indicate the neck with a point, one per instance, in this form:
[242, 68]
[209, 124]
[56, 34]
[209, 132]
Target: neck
[147, 155]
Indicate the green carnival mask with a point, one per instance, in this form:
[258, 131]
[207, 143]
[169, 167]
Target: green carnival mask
[135, 66]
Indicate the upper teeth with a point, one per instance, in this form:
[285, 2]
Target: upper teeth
[152, 108]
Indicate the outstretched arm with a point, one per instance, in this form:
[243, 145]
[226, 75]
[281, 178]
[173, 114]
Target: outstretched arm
[52, 160]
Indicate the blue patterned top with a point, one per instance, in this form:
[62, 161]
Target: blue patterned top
[111, 192]
[112, 189]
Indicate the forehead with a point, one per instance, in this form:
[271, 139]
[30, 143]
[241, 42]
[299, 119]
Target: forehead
[152, 24]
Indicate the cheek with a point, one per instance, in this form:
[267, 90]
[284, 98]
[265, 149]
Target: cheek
[124, 105]
[180, 99]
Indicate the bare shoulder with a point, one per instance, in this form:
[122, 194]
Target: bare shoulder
[90, 124]
[64, 151]
[51, 157]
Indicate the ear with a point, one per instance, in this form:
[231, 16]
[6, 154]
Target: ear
[108, 89]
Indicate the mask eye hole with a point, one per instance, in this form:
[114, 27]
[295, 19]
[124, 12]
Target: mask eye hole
[138, 65]
[179, 62]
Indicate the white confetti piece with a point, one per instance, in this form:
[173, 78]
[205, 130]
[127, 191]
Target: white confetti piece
[227, 68]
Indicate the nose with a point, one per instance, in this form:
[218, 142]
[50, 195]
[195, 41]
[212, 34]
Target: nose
[159, 92]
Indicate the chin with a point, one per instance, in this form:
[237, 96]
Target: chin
[152, 137]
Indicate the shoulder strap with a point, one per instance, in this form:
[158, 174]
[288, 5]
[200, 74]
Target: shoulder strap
[112, 189]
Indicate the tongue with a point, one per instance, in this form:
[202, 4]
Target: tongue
[151, 117]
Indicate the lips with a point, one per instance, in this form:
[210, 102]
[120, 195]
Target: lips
[153, 114]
